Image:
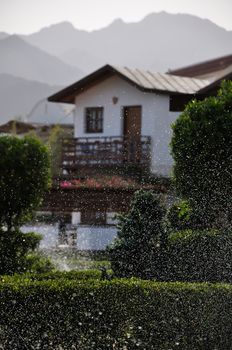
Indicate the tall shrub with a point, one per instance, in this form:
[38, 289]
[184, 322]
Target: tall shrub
[202, 151]
[140, 232]
[24, 176]
[55, 145]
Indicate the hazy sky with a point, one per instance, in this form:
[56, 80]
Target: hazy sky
[27, 16]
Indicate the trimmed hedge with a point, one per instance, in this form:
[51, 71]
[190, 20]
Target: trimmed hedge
[53, 275]
[68, 313]
[199, 256]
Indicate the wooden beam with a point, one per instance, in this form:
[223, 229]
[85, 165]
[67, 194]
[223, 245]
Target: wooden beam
[69, 200]
[85, 199]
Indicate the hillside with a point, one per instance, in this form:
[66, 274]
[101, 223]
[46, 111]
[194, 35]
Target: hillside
[3, 35]
[22, 59]
[18, 97]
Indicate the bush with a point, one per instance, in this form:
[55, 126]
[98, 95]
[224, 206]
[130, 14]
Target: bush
[131, 314]
[202, 152]
[24, 176]
[139, 233]
[73, 275]
[199, 256]
[182, 217]
[14, 247]
[55, 145]
[178, 216]
[37, 263]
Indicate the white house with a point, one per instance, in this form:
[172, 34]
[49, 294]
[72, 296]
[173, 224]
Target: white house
[123, 116]
[116, 104]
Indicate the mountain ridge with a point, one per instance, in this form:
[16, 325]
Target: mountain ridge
[160, 41]
[19, 58]
[18, 96]
[61, 54]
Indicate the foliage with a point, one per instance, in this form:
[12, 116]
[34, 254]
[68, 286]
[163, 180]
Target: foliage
[55, 275]
[202, 151]
[195, 255]
[55, 145]
[133, 314]
[100, 182]
[14, 247]
[36, 263]
[116, 181]
[178, 216]
[139, 233]
[182, 217]
[24, 176]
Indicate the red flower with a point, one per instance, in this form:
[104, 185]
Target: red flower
[65, 184]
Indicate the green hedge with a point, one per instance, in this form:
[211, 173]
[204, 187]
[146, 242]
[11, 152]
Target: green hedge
[53, 275]
[199, 256]
[78, 313]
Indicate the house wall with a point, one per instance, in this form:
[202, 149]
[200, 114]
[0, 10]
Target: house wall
[156, 118]
[89, 237]
[94, 237]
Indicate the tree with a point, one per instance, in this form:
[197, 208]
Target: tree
[55, 144]
[24, 176]
[202, 151]
[139, 233]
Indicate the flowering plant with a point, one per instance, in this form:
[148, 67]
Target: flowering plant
[101, 182]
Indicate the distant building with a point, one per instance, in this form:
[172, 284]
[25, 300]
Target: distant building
[43, 131]
[16, 127]
[216, 69]
[50, 113]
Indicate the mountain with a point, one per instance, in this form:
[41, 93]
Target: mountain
[24, 99]
[21, 59]
[31, 65]
[3, 35]
[57, 38]
[159, 42]
[84, 59]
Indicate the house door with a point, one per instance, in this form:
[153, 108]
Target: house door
[132, 133]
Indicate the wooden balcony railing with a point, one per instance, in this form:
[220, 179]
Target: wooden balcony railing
[104, 151]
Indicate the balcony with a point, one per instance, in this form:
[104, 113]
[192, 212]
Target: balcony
[104, 152]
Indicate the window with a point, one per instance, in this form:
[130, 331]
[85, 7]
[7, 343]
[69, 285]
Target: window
[177, 103]
[94, 120]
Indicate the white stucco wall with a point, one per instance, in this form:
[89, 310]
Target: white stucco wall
[95, 237]
[156, 118]
[49, 234]
[89, 237]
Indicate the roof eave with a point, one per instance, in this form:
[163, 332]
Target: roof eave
[68, 94]
[215, 83]
[72, 90]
